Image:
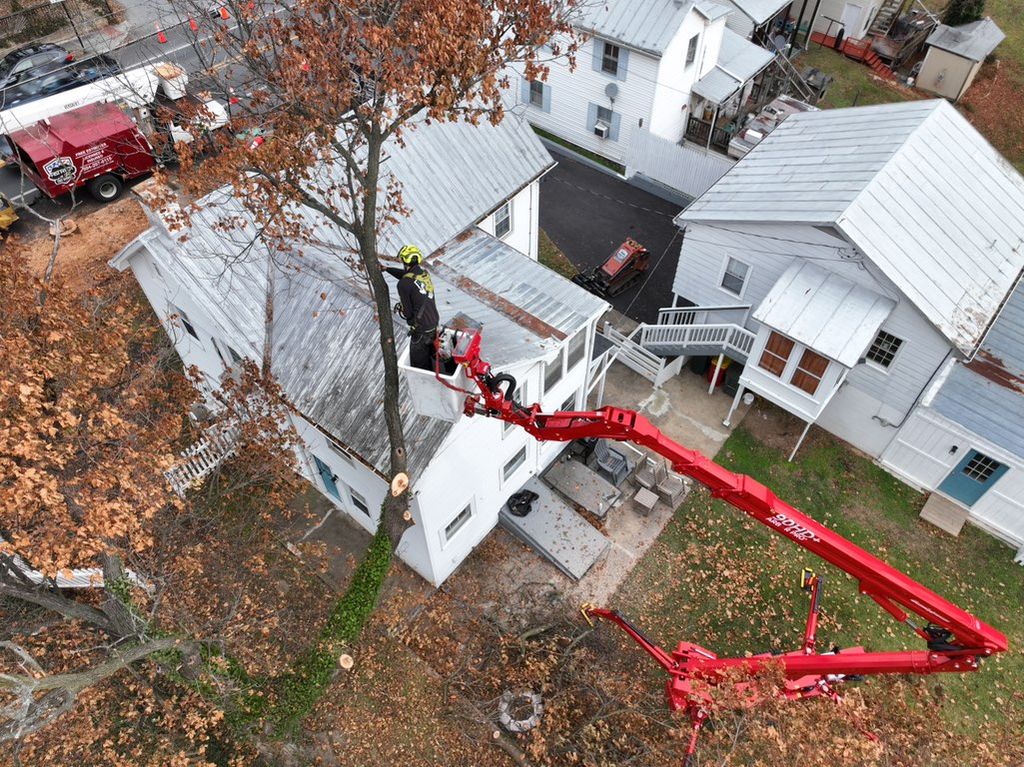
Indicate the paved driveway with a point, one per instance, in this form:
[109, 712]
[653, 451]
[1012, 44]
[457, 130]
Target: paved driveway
[587, 213]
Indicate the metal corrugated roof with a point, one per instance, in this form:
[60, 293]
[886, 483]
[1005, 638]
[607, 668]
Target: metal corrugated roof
[647, 25]
[987, 395]
[760, 10]
[974, 41]
[913, 185]
[738, 61]
[822, 310]
[327, 356]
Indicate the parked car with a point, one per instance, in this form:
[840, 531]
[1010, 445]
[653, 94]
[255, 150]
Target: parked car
[19, 64]
[52, 79]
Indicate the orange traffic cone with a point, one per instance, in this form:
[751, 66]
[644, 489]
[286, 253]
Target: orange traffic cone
[224, 13]
[193, 25]
[160, 36]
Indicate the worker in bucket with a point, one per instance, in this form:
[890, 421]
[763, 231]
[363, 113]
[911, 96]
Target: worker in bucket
[416, 306]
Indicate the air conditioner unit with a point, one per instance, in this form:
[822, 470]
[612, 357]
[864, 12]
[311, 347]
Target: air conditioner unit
[602, 129]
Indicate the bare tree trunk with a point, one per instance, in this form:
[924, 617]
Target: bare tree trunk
[395, 509]
[125, 621]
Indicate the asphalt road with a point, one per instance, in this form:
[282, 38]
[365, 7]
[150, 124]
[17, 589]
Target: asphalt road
[588, 213]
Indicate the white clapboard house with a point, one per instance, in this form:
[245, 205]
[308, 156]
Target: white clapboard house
[669, 67]
[472, 192]
[858, 264]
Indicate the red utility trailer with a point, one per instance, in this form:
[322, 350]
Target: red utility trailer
[97, 146]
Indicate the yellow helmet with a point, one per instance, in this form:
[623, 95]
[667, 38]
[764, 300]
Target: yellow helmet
[410, 255]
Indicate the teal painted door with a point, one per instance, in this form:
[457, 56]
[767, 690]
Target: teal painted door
[972, 477]
[329, 479]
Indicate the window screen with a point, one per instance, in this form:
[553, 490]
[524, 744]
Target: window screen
[610, 59]
[537, 93]
[503, 220]
[577, 348]
[514, 463]
[458, 523]
[883, 348]
[735, 276]
[691, 50]
[776, 354]
[809, 372]
[359, 502]
[552, 373]
[186, 323]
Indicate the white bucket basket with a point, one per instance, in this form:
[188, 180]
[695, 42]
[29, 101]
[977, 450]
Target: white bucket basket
[429, 396]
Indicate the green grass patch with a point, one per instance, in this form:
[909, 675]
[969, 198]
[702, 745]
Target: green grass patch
[854, 84]
[722, 580]
[553, 258]
[297, 692]
[620, 169]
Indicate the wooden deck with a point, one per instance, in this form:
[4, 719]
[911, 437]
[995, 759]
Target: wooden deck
[858, 50]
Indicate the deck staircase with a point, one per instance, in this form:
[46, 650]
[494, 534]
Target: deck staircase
[680, 333]
[203, 457]
[799, 89]
[858, 50]
[886, 17]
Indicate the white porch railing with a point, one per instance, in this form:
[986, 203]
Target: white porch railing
[634, 356]
[202, 458]
[679, 332]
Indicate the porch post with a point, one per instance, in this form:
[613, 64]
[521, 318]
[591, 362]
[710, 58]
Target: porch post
[799, 442]
[600, 385]
[718, 371]
[732, 408]
[711, 130]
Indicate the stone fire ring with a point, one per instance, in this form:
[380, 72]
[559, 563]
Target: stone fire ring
[505, 707]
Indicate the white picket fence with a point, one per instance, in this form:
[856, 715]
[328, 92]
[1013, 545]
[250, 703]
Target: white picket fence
[685, 168]
[203, 457]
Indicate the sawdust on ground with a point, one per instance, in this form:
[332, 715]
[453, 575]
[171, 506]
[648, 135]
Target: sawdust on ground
[83, 255]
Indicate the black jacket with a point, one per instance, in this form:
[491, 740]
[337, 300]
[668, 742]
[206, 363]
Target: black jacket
[416, 292]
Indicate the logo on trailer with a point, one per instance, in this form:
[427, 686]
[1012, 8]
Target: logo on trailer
[793, 529]
[60, 170]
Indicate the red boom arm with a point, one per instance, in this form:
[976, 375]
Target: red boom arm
[956, 640]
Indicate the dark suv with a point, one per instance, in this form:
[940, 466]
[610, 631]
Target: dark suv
[17, 65]
[49, 80]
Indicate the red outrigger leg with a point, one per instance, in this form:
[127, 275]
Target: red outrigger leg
[955, 640]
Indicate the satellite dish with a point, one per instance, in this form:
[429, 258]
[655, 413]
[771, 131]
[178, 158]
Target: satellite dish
[611, 90]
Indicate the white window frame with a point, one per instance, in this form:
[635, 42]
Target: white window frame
[560, 359]
[522, 396]
[503, 214]
[186, 324]
[878, 365]
[459, 521]
[358, 501]
[507, 475]
[580, 337]
[537, 92]
[692, 45]
[606, 56]
[724, 270]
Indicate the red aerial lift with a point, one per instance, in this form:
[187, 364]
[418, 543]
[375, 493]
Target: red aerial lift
[955, 640]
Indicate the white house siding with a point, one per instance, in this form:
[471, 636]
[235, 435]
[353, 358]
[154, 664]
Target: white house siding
[525, 221]
[833, 9]
[920, 455]
[469, 472]
[675, 79]
[872, 402]
[572, 93]
[738, 21]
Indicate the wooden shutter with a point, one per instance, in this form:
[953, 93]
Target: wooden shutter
[809, 372]
[776, 354]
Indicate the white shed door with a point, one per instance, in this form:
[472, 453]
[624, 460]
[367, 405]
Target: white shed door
[851, 19]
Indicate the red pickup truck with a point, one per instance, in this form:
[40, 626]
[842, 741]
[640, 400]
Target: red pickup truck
[97, 146]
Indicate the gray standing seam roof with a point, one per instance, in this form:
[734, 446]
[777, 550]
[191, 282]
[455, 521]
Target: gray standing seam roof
[986, 395]
[325, 332]
[824, 311]
[647, 25]
[738, 61]
[912, 185]
[974, 41]
[760, 10]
